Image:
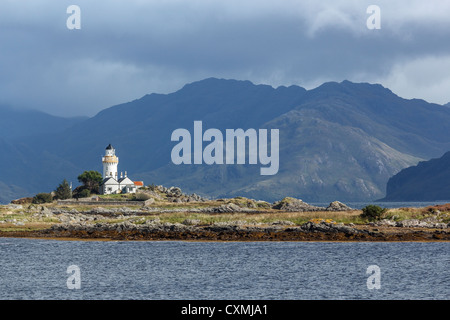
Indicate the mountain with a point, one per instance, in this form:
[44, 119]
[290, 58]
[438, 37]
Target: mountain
[17, 123]
[23, 170]
[340, 141]
[343, 141]
[427, 181]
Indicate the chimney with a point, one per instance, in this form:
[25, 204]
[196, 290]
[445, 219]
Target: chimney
[121, 175]
[125, 174]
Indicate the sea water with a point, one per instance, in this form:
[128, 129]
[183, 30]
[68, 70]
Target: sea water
[38, 269]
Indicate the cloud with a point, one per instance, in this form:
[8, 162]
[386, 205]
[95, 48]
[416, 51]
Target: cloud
[126, 49]
[425, 78]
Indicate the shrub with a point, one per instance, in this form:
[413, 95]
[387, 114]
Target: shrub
[142, 196]
[91, 180]
[42, 198]
[84, 193]
[63, 191]
[372, 212]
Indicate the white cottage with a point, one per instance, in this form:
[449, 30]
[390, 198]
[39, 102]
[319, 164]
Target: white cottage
[111, 183]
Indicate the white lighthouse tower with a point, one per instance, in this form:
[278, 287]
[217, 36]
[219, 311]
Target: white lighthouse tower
[110, 163]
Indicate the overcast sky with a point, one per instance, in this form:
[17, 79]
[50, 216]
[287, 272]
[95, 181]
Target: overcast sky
[126, 49]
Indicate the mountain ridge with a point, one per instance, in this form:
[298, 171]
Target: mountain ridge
[339, 141]
[427, 181]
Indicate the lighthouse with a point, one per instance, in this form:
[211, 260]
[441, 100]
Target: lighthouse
[112, 183]
[110, 163]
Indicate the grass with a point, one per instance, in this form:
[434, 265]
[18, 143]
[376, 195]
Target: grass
[120, 196]
[297, 218]
[32, 221]
[415, 213]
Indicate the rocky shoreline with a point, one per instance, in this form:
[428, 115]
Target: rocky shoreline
[239, 231]
[205, 222]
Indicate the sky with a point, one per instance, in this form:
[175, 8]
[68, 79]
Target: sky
[126, 49]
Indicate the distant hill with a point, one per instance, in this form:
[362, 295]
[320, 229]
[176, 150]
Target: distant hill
[340, 141]
[17, 123]
[428, 181]
[23, 171]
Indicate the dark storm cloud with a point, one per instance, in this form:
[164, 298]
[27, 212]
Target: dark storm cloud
[126, 49]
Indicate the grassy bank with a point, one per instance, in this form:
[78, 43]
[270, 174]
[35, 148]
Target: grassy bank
[33, 217]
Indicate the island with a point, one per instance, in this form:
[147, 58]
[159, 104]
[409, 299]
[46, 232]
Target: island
[161, 213]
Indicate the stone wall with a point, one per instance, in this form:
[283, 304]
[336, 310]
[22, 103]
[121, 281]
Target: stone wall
[102, 203]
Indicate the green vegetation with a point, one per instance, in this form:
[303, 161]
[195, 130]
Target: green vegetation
[84, 193]
[249, 203]
[91, 180]
[63, 191]
[141, 196]
[117, 196]
[42, 198]
[372, 212]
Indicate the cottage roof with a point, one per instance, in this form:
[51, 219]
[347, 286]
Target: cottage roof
[109, 180]
[126, 180]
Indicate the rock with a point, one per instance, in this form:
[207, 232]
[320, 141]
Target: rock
[408, 223]
[337, 206]
[174, 192]
[15, 206]
[152, 221]
[45, 211]
[196, 197]
[328, 227]
[191, 222]
[124, 210]
[411, 223]
[282, 223]
[385, 222]
[296, 205]
[99, 210]
[149, 201]
[229, 207]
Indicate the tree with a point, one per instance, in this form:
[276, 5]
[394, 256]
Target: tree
[84, 193]
[63, 191]
[91, 180]
[42, 198]
[372, 212]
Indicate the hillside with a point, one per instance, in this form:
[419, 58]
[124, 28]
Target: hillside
[340, 141]
[428, 181]
[18, 123]
[25, 168]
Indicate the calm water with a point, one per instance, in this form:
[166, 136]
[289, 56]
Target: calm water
[37, 269]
